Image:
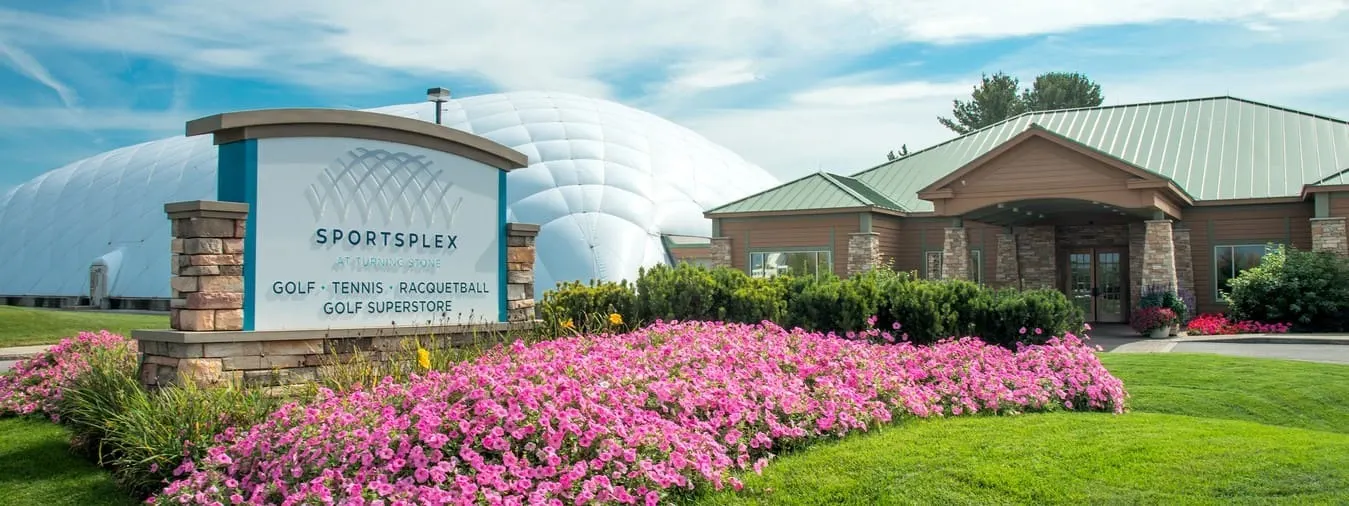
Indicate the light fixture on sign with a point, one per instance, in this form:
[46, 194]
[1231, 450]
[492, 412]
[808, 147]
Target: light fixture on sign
[439, 96]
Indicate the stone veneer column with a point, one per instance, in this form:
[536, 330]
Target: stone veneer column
[955, 256]
[1008, 267]
[720, 252]
[520, 271]
[1159, 255]
[1328, 234]
[207, 265]
[1036, 256]
[864, 252]
[1184, 260]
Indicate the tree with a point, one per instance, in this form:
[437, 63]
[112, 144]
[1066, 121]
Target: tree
[997, 98]
[994, 99]
[895, 155]
[1062, 90]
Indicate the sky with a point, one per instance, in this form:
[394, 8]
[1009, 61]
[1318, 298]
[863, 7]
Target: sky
[793, 86]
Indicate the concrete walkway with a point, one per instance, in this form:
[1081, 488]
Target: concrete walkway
[22, 352]
[1331, 348]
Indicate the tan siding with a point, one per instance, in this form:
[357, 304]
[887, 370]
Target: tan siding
[1037, 165]
[1339, 204]
[891, 231]
[1254, 224]
[827, 231]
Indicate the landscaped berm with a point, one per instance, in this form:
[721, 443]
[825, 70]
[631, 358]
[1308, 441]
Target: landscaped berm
[625, 406]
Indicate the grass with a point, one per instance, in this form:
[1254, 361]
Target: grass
[1202, 430]
[38, 467]
[21, 326]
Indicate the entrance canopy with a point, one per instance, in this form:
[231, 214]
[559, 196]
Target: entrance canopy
[1038, 175]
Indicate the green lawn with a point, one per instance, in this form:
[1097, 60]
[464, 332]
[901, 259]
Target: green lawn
[1202, 430]
[37, 467]
[21, 326]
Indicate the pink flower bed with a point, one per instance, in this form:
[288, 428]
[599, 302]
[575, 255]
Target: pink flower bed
[622, 419]
[34, 385]
[1218, 324]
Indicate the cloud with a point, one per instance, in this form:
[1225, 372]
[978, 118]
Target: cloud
[517, 44]
[709, 75]
[95, 119]
[867, 94]
[29, 66]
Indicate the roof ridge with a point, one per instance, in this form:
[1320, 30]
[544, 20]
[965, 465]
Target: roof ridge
[1098, 107]
[764, 192]
[830, 177]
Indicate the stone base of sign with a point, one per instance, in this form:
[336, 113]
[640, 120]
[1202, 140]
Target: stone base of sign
[271, 359]
[207, 265]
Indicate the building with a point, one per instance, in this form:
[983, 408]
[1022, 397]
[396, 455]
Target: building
[613, 189]
[1098, 202]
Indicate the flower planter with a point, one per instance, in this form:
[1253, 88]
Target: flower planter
[1175, 329]
[1160, 332]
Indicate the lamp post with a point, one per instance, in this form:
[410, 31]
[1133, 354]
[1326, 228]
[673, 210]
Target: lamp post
[439, 96]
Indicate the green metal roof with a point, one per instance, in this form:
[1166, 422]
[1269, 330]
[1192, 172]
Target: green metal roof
[1213, 148]
[820, 190]
[1217, 148]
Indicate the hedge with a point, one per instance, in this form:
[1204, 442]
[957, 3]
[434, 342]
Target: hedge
[923, 310]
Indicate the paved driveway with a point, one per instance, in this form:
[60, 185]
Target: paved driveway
[1331, 353]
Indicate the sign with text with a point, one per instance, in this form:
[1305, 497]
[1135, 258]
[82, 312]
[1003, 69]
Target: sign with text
[348, 233]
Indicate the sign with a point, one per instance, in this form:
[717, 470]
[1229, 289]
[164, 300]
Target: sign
[348, 233]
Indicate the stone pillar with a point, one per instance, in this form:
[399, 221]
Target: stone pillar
[1328, 234]
[955, 257]
[1184, 260]
[207, 265]
[1008, 266]
[864, 252]
[1159, 255]
[1036, 250]
[720, 252]
[520, 271]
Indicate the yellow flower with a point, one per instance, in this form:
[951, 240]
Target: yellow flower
[423, 358]
[615, 319]
[568, 324]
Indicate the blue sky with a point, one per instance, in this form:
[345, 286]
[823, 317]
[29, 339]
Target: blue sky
[792, 86]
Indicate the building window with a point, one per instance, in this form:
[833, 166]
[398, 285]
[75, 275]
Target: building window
[795, 263]
[934, 261]
[1230, 261]
[933, 265]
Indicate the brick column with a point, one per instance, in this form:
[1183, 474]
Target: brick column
[864, 252]
[1328, 234]
[1036, 249]
[1159, 255]
[955, 256]
[1008, 267]
[207, 265]
[1184, 260]
[720, 252]
[520, 271]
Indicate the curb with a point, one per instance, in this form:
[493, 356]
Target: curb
[1272, 340]
[16, 356]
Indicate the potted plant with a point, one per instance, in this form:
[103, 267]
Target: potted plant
[1161, 296]
[1153, 321]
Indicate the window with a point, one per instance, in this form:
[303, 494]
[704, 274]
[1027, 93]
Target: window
[1229, 261]
[934, 261]
[795, 263]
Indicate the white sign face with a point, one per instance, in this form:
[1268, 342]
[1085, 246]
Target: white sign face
[359, 233]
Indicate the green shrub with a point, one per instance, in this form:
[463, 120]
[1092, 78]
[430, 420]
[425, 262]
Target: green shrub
[574, 306]
[1307, 289]
[1008, 312]
[926, 310]
[684, 292]
[143, 436]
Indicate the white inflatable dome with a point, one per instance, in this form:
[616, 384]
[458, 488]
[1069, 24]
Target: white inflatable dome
[605, 182]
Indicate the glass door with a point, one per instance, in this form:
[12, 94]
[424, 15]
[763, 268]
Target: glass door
[1109, 287]
[1080, 281]
[1096, 284]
